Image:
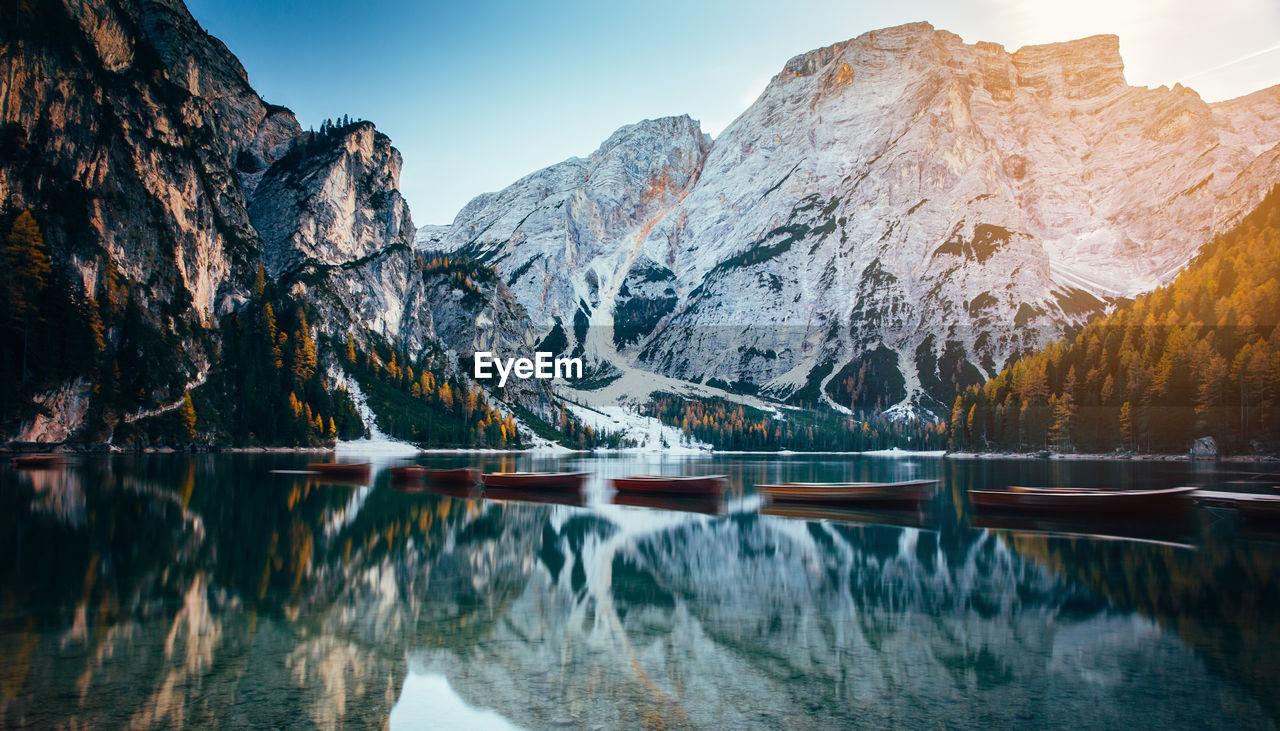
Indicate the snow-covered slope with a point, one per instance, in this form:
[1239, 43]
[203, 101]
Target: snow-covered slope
[892, 219]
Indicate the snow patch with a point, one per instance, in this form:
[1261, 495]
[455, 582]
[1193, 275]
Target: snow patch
[899, 452]
[377, 444]
[650, 434]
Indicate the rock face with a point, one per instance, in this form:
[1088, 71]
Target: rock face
[332, 199]
[892, 219]
[154, 169]
[126, 127]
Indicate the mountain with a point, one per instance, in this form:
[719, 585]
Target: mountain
[891, 221]
[166, 200]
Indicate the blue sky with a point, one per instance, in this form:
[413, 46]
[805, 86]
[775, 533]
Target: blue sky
[478, 94]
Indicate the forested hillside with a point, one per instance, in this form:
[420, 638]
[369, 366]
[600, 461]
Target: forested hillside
[1199, 357]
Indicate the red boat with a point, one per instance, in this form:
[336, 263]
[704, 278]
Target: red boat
[413, 472]
[1056, 500]
[536, 480]
[911, 492]
[38, 461]
[704, 485]
[353, 470]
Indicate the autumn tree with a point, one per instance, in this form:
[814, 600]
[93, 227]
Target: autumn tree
[187, 413]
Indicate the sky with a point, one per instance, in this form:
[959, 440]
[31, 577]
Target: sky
[479, 94]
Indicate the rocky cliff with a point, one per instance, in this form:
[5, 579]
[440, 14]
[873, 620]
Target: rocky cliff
[894, 217]
[165, 188]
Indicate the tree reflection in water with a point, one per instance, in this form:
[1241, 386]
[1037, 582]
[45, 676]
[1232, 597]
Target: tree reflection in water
[164, 590]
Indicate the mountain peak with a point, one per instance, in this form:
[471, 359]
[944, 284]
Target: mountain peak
[1080, 68]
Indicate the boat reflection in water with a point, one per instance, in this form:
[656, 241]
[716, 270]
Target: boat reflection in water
[545, 497]
[900, 517]
[705, 504]
[175, 590]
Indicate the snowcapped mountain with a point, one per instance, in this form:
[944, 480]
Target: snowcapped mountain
[893, 218]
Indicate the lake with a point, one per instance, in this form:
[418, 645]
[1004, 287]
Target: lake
[156, 590]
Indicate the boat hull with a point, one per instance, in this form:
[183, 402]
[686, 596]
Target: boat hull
[851, 493]
[412, 473]
[341, 469]
[1094, 502]
[1261, 507]
[702, 486]
[38, 462]
[568, 481]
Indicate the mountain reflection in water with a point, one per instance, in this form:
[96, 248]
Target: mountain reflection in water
[163, 590]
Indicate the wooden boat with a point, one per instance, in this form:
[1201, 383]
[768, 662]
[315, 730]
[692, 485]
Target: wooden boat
[697, 503]
[574, 498]
[38, 461]
[911, 492]
[415, 473]
[536, 480]
[1259, 507]
[356, 470]
[1054, 500]
[705, 485]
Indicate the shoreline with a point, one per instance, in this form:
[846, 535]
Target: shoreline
[543, 451]
[1107, 457]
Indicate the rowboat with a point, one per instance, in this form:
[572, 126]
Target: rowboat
[705, 504]
[705, 485]
[413, 472]
[1259, 507]
[911, 492]
[37, 461]
[536, 480]
[341, 469]
[1080, 499]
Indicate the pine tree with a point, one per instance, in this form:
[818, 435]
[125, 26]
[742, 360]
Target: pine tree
[1127, 430]
[304, 353]
[25, 268]
[187, 412]
[259, 281]
[272, 335]
[1064, 414]
[958, 433]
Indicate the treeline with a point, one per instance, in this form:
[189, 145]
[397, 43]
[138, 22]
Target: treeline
[264, 388]
[576, 435]
[269, 386]
[1200, 357]
[467, 274]
[417, 400]
[733, 426]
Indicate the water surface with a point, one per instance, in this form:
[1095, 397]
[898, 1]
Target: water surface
[166, 589]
